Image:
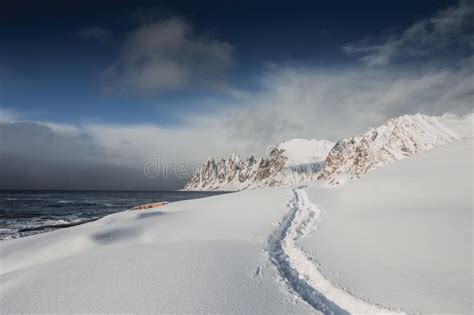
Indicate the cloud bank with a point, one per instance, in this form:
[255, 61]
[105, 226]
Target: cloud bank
[337, 103]
[40, 156]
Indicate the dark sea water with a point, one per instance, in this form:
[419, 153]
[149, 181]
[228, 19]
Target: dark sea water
[24, 213]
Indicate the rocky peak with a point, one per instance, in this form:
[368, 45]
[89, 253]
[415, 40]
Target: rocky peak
[396, 139]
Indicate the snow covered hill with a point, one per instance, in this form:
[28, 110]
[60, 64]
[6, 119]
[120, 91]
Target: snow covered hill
[397, 139]
[290, 162]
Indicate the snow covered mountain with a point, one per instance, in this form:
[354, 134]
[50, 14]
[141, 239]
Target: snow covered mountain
[397, 139]
[298, 160]
[293, 161]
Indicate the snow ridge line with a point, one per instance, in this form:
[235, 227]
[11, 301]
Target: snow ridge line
[301, 273]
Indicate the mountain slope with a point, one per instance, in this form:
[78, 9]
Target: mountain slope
[397, 139]
[293, 161]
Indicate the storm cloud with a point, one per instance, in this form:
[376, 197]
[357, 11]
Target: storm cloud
[34, 156]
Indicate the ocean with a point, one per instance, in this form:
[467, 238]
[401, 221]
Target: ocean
[25, 213]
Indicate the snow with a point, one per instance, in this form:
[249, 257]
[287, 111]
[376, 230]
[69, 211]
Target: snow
[402, 234]
[214, 255]
[199, 256]
[302, 273]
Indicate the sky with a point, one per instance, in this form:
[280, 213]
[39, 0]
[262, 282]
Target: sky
[93, 93]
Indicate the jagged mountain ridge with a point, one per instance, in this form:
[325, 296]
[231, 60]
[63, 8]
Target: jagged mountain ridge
[293, 161]
[298, 160]
[396, 139]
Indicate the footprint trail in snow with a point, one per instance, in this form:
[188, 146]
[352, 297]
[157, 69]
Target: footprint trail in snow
[300, 273]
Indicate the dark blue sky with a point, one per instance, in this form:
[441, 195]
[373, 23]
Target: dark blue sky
[49, 72]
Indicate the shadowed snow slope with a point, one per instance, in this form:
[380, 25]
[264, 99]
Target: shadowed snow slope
[402, 235]
[197, 256]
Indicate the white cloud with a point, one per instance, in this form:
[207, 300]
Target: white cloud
[7, 116]
[294, 103]
[452, 28]
[334, 104]
[63, 129]
[168, 55]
